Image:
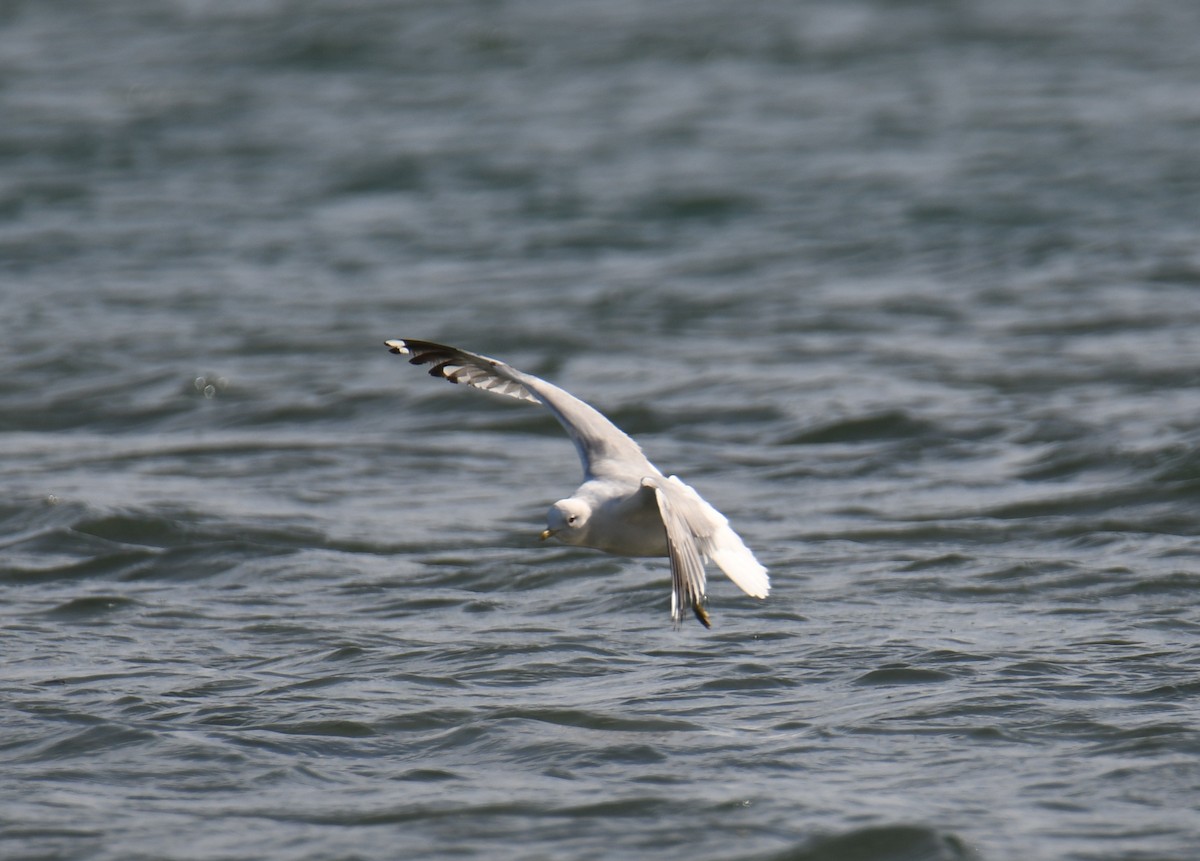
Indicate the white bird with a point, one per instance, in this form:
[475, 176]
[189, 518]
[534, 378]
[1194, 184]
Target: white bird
[625, 505]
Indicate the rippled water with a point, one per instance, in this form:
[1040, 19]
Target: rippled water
[909, 291]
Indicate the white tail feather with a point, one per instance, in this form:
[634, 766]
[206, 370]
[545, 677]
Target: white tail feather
[733, 557]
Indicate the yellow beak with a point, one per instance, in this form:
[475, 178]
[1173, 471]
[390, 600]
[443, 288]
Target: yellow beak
[546, 533]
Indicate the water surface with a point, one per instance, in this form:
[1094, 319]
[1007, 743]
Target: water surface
[909, 291]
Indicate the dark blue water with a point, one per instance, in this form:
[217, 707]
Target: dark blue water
[910, 291]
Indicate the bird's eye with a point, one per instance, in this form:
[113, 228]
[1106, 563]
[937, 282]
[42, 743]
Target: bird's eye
[571, 520]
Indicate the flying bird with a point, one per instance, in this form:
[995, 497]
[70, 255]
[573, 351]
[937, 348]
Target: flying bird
[625, 505]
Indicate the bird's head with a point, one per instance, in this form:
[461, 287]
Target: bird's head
[567, 521]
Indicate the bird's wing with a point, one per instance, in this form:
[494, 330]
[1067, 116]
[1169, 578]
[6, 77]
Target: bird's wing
[687, 563]
[603, 447]
[696, 531]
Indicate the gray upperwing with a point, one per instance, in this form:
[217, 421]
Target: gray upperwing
[603, 447]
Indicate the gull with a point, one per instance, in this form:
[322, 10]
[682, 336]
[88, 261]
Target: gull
[625, 505]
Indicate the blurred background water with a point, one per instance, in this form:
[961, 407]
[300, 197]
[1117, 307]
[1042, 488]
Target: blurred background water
[908, 290]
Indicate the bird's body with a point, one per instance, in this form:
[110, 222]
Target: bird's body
[625, 505]
[624, 520]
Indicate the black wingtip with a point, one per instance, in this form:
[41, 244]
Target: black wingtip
[702, 615]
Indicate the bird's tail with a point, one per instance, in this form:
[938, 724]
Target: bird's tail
[732, 556]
